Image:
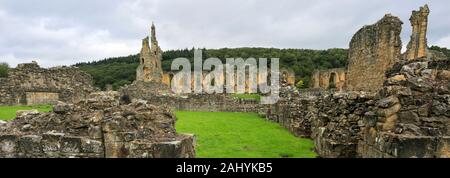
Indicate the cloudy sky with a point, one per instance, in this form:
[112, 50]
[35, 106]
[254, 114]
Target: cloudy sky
[63, 32]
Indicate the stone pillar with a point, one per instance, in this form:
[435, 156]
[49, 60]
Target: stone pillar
[417, 46]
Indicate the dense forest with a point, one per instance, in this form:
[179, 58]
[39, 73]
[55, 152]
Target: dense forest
[441, 49]
[119, 71]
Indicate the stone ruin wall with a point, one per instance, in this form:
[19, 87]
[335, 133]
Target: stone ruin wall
[334, 120]
[403, 114]
[150, 68]
[200, 102]
[411, 117]
[330, 78]
[287, 75]
[408, 118]
[30, 84]
[151, 78]
[373, 50]
[417, 46]
[100, 127]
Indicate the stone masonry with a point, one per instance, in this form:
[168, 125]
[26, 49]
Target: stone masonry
[405, 117]
[411, 117]
[101, 126]
[417, 46]
[373, 49]
[150, 68]
[330, 78]
[30, 84]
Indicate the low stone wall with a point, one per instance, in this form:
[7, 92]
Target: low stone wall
[334, 120]
[292, 112]
[98, 127]
[210, 103]
[337, 123]
[158, 94]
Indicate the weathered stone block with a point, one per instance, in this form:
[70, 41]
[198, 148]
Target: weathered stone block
[91, 146]
[8, 145]
[30, 144]
[51, 142]
[71, 144]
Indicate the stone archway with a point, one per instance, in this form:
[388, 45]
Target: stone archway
[332, 81]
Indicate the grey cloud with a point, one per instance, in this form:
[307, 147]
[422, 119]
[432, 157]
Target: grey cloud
[65, 32]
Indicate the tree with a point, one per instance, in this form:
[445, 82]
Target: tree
[300, 84]
[4, 68]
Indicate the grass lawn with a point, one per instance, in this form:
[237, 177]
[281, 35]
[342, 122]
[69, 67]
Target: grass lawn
[241, 135]
[9, 112]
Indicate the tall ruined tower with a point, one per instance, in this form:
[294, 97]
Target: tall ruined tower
[150, 69]
[417, 46]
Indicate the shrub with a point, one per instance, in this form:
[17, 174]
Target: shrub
[4, 68]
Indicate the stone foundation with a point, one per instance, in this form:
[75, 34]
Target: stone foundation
[95, 128]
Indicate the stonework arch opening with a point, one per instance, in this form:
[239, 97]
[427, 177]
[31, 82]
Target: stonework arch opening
[332, 81]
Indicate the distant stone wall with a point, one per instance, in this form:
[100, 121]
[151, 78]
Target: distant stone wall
[29, 84]
[201, 102]
[331, 78]
[373, 50]
[33, 98]
[101, 126]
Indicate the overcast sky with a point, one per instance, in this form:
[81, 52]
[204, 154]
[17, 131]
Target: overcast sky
[63, 32]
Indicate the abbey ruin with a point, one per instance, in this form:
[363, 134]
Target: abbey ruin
[384, 104]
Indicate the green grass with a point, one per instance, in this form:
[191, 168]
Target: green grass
[9, 112]
[255, 96]
[241, 135]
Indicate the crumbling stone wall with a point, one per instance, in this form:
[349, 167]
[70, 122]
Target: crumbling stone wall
[101, 126]
[408, 117]
[412, 115]
[34, 98]
[150, 68]
[201, 102]
[417, 46]
[331, 78]
[292, 112]
[31, 84]
[337, 123]
[373, 50]
[334, 120]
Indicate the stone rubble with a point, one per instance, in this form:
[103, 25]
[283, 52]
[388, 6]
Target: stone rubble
[96, 127]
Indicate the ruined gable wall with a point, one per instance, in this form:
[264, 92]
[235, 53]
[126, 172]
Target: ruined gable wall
[373, 49]
[70, 84]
